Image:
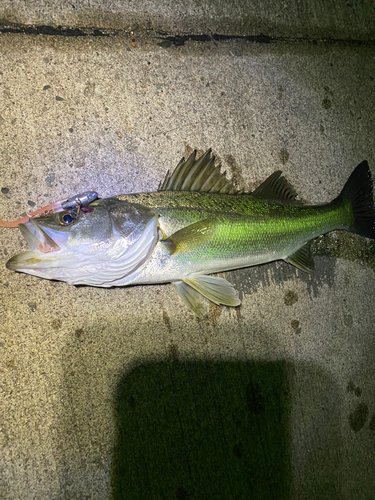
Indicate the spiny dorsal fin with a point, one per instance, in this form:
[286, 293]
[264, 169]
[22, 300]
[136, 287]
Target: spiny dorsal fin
[302, 258]
[276, 187]
[198, 175]
[190, 237]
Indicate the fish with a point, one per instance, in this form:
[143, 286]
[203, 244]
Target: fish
[195, 225]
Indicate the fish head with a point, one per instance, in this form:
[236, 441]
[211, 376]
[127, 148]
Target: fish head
[101, 246]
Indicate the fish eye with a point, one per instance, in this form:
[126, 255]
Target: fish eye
[66, 218]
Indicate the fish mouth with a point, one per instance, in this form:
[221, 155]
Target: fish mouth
[41, 244]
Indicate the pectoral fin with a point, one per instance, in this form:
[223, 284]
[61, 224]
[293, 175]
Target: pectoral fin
[302, 259]
[190, 237]
[218, 290]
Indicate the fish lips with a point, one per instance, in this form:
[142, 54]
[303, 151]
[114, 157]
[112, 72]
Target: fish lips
[41, 244]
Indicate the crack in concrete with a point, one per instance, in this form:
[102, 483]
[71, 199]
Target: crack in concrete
[55, 31]
[168, 39]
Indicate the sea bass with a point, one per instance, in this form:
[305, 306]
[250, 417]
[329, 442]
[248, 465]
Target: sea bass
[196, 223]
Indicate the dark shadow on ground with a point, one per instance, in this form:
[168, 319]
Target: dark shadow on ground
[203, 430]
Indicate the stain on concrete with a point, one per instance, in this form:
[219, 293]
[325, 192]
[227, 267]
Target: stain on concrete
[326, 103]
[188, 150]
[350, 387]
[174, 352]
[33, 306]
[237, 177]
[345, 245]
[58, 98]
[248, 280]
[358, 392]
[355, 390]
[50, 178]
[358, 418]
[78, 332]
[372, 423]
[31, 203]
[290, 298]
[284, 155]
[295, 325]
[10, 363]
[56, 324]
[167, 321]
[348, 320]
[5, 190]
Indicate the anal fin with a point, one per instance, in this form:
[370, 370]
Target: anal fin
[302, 258]
[192, 299]
[218, 290]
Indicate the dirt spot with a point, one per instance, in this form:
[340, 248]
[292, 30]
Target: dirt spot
[352, 388]
[283, 155]
[167, 321]
[358, 392]
[33, 306]
[56, 323]
[326, 103]
[10, 363]
[78, 332]
[358, 418]
[290, 298]
[372, 423]
[237, 177]
[188, 151]
[173, 352]
[348, 320]
[295, 325]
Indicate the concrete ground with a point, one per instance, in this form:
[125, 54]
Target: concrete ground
[123, 393]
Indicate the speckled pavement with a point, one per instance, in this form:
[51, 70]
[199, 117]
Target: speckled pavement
[123, 393]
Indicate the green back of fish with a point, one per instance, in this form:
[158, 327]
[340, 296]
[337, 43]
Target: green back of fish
[210, 226]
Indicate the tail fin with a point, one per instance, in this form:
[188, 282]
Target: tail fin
[358, 190]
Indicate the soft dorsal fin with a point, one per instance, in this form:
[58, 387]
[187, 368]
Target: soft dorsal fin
[276, 187]
[198, 175]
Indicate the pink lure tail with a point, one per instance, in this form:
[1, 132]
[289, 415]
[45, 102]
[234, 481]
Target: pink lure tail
[48, 209]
